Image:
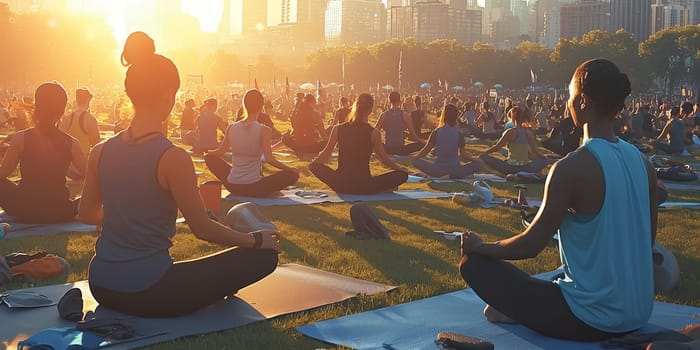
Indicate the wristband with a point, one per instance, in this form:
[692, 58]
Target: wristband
[258, 239]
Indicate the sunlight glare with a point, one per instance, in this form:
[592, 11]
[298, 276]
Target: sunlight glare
[208, 12]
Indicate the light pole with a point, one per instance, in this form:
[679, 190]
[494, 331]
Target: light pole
[249, 73]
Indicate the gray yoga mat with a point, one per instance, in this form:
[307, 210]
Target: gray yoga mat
[18, 230]
[290, 197]
[303, 288]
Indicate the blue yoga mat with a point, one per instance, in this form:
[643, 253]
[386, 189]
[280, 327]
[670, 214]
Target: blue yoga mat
[414, 325]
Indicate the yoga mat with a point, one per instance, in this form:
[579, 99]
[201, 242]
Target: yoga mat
[415, 325]
[291, 288]
[687, 205]
[18, 230]
[681, 187]
[288, 197]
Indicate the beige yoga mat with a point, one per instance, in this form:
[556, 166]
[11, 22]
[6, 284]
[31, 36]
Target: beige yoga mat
[291, 288]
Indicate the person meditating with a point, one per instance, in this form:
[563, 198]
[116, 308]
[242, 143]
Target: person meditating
[395, 122]
[448, 143]
[521, 144]
[249, 140]
[602, 200]
[44, 153]
[135, 184]
[356, 139]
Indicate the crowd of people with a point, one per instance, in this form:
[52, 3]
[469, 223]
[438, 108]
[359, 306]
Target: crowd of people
[597, 175]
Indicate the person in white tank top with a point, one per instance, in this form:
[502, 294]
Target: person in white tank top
[249, 141]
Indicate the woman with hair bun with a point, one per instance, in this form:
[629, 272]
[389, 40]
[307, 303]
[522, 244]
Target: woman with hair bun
[249, 140]
[448, 143]
[356, 140]
[602, 200]
[136, 182]
[44, 153]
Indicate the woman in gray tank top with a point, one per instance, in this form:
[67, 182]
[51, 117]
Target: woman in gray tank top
[448, 143]
[135, 184]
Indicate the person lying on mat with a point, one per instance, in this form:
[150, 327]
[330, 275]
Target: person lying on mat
[44, 153]
[521, 143]
[249, 140]
[395, 122]
[602, 200]
[356, 139]
[135, 184]
[448, 143]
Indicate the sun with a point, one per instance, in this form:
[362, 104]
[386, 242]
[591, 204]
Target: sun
[208, 12]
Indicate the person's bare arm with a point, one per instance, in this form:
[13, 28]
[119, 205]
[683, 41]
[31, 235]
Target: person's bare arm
[266, 145]
[328, 150]
[557, 199]
[665, 131]
[502, 142]
[224, 146]
[321, 127]
[379, 151]
[427, 148]
[12, 155]
[90, 206]
[176, 173]
[92, 130]
[411, 131]
[533, 145]
[78, 158]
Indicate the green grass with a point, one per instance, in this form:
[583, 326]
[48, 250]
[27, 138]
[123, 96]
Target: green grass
[418, 261]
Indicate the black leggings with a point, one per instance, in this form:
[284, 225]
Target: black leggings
[403, 150]
[315, 147]
[532, 302]
[193, 284]
[342, 183]
[265, 186]
[33, 209]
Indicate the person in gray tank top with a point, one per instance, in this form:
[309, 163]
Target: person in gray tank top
[448, 143]
[135, 184]
[249, 142]
[395, 122]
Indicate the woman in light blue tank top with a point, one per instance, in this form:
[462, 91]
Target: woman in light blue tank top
[448, 143]
[602, 200]
[135, 184]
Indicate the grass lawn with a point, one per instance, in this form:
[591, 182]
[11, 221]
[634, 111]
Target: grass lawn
[420, 262]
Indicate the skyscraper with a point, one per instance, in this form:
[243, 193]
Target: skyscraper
[494, 10]
[399, 22]
[352, 21]
[465, 25]
[665, 16]
[309, 15]
[583, 16]
[254, 16]
[634, 16]
[537, 21]
[431, 20]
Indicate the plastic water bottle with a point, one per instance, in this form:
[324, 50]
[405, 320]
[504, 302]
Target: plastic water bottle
[4, 228]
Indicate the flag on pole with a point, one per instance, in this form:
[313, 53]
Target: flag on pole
[439, 84]
[400, 68]
[256, 84]
[318, 89]
[533, 76]
[342, 67]
[286, 86]
[274, 83]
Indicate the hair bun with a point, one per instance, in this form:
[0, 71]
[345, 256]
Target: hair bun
[137, 48]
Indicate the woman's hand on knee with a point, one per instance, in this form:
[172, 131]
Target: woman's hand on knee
[269, 240]
[470, 242]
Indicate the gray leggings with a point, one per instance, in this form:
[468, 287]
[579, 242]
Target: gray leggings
[453, 170]
[504, 168]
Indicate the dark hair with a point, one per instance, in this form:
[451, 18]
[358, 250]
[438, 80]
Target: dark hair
[519, 115]
[343, 100]
[687, 107]
[417, 100]
[450, 113]
[149, 75]
[603, 83]
[675, 111]
[394, 97]
[361, 108]
[83, 96]
[485, 105]
[253, 100]
[50, 100]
